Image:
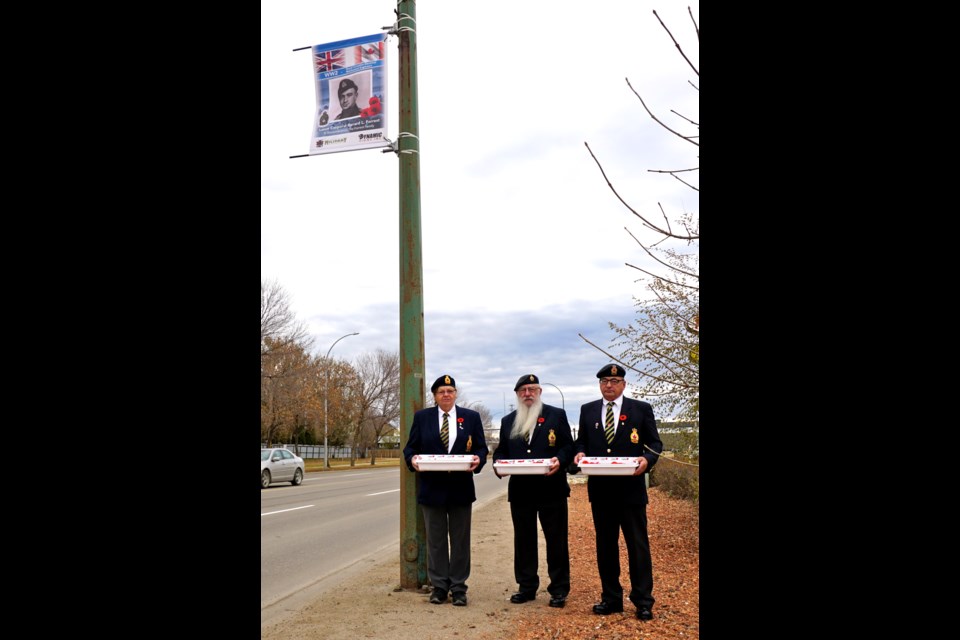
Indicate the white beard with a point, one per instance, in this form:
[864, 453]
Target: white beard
[526, 420]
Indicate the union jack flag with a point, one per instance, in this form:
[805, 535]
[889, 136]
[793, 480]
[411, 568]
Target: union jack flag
[329, 60]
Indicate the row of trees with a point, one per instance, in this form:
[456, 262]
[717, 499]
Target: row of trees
[362, 400]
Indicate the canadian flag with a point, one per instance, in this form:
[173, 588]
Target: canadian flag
[368, 52]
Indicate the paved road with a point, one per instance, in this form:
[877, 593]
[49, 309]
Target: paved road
[321, 532]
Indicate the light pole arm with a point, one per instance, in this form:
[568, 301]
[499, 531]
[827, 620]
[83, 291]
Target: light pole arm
[563, 404]
[326, 396]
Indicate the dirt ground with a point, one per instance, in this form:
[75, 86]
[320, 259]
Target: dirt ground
[370, 603]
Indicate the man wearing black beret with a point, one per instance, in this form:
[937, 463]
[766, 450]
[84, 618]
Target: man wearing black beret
[620, 426]
[347, 94]
[537, 430]
[446, 497]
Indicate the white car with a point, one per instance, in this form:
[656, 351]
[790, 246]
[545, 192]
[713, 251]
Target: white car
[279, 465]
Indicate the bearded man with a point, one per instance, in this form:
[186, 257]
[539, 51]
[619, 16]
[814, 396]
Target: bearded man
[537, 430]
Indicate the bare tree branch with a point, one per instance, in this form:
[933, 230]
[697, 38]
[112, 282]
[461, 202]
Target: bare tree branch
[694, 21]
[679, 48]
[653, 275]
[680, 115]
[608, 354]
[689, 139]
[697, 189]
[671, 171]
[665, 232]
[657, 258]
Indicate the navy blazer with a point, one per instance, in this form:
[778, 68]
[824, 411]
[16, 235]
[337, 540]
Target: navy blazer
[635, 427]
[446, 488]
[550, 438]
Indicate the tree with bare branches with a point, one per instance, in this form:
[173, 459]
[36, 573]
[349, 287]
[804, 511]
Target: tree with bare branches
[375, 395]
[279, 328]
[662, 344]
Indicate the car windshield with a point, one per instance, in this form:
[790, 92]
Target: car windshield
[264, 454]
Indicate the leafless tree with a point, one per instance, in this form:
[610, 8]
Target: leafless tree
[279, 328]
[663, 343]
[375, 398]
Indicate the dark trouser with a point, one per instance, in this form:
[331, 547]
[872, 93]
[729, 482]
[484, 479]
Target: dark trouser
[553, 519]
[608, 520]
[448, 567]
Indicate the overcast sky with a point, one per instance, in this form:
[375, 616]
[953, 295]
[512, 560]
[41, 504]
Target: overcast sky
[523, 244]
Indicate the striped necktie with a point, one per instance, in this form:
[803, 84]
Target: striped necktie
[608, 424]
[445, 432]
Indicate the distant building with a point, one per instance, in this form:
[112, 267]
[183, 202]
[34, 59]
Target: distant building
[390, 439]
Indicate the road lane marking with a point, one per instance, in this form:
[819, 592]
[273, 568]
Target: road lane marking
[270, 513]
[382, 492]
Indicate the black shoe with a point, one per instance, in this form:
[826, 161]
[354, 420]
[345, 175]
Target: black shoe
[558, 601]
[606, 608]
[459, 599]
[644, 613]
[523, 596]
[439, 596]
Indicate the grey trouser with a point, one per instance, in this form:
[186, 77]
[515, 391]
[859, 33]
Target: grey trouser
[448, 566]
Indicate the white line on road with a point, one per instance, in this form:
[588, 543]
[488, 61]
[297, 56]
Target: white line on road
[270, 513]
[382, 492]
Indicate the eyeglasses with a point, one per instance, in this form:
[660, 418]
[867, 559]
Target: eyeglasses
[611, 380]
[523, 390]
[446, 392]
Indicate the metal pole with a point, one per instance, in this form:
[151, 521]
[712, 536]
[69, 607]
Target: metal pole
[326, 395]
[413, 557]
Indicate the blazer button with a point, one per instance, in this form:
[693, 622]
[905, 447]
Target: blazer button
[608, 450]
[528, 450]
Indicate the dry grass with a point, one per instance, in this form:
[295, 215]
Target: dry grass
[674, 529]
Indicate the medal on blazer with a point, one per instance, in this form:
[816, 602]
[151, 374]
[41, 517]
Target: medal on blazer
[634, 438]
[469, 443]
[552, 438]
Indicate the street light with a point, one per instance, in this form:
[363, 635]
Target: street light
[562, 403]
[326, 396]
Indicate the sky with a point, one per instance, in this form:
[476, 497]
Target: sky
[524, 246]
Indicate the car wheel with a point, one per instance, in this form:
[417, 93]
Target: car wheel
[264, 479]
[297, 478]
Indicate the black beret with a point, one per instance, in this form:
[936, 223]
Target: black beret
[611, 370]
[443, 381]
[346, 84]
[527, 379]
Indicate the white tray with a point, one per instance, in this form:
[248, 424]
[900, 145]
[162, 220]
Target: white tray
[608, 466]
[444, 463]
[530, 467]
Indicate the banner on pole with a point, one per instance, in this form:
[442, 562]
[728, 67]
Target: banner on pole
[351, 84]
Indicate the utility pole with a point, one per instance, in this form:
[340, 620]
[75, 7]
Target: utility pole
[413, 546]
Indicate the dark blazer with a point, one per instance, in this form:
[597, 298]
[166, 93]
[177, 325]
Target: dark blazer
[552, 437]
[638, 424]
[445, 488]
[349, 112]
